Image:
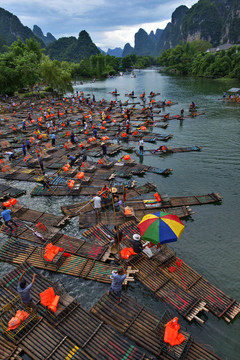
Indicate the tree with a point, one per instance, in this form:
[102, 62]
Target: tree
[54, 76]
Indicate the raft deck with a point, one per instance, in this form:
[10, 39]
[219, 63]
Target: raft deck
[17, 252]
[140, 325]
[75, 333]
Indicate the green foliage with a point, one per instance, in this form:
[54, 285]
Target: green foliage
[204, 18]
[192, 59]
[234, 30]
[48, 89]
[19, 66]
[56, 75]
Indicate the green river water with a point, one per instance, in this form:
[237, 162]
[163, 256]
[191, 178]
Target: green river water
[210, 241]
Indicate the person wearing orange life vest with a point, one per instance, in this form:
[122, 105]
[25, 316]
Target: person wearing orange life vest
[104, 192]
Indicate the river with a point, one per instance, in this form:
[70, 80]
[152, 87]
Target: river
[210, 241]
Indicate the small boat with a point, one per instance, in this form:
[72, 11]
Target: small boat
[169, 150]
[152, 94]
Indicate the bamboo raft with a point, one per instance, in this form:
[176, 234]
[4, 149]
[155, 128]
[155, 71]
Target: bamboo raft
[7, 191]
[72, 245]
[180, 203]
[9, 351]
[169, 150]
[140, 325]
[76, 333]
[184, 281]
[25, 214]
[86, 221]
[17, 252]
[87, 206]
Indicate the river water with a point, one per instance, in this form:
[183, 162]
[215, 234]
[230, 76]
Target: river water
[210, 241]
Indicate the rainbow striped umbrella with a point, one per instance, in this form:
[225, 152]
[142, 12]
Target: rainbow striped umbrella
[160, 227]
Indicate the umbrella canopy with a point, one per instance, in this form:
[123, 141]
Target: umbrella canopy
[160, 227]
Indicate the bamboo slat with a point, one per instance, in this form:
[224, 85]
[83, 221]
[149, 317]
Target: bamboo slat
[139, 324]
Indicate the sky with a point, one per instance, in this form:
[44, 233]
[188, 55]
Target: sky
[110, 23]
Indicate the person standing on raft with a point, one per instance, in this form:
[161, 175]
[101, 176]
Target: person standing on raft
[97, 206]
[141, 144]
[118, 277]
[6, 215]
[24, 292]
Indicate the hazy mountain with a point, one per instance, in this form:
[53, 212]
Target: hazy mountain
[127, 50]
[171, 35]
[115, 52]
[155, 37]
[72, 49]
[144, 46]
[101, 51]
[11, 29]
[46, 39]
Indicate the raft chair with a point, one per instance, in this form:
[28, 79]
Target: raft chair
[165, 338]
[52, 255]
[16, 320]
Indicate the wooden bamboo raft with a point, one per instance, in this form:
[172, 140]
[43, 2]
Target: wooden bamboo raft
[139, 324]
[162, 285]
[17, 252]
[9, 351]
[25, 214]
[86, 221]
[10, 191]
[169, 150]
[70, 244]
[176, 201]
[92, 336]
[185, 277]
[75, 209]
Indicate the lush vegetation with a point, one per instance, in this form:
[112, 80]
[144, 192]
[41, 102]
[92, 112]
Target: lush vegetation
[72, 49]
[23, 65]
[192, 59]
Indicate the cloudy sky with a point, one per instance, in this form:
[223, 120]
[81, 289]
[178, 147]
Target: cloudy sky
[110, 23]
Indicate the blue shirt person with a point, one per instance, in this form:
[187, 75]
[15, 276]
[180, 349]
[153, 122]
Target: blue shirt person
[24, 149]
[6, 215]
[118, 278]
[24, 292]
[72, 160]
[53, 136]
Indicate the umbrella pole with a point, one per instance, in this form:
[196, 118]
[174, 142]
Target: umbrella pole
[115, 220]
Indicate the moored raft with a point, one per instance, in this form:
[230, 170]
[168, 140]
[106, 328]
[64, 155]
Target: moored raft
[87, 206]
[140, 325]
[17, 252]
[169, 150]
[74, 329]
[152, 273]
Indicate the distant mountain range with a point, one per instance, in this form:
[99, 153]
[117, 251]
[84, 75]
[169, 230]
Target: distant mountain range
[48, 39]
[217, 21]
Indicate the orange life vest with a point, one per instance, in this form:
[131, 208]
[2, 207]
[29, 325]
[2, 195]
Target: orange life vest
[15, 321]
[49, 299]
[172, 336]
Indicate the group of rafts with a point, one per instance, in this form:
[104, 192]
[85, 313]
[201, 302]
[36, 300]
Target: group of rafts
[79, 115]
